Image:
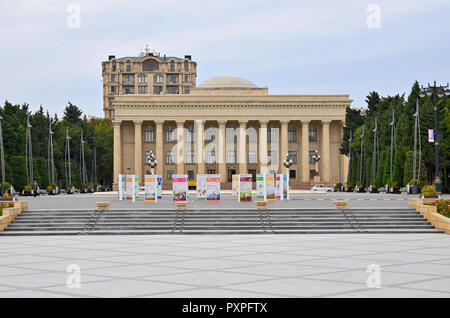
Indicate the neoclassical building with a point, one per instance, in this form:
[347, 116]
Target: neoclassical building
[226, 126]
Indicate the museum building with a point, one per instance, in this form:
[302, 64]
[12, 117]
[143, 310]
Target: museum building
[226, 125]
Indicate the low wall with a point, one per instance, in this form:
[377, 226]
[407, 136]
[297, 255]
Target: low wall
[439, 221]
[9, 214]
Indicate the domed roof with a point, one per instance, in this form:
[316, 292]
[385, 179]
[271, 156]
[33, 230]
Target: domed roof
[227, 82]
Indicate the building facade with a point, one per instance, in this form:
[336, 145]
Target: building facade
[226, 126]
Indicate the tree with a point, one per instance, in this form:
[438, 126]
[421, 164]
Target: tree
[72, 114]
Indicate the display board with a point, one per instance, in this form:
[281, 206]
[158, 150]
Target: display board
[121, 181]
[260, 187]
[245, 188]
[285, 187]
[270, 187]
[235, 186]
[213, 188]
[151, 188]
[159, 189]
[180, 187]
[132, 188]
[201, 186]
[279, 187]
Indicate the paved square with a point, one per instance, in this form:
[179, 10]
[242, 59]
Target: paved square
[324, 265]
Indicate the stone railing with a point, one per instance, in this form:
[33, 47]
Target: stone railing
[430, 213]
[9, 214]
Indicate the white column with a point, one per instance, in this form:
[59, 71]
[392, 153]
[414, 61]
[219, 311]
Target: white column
[180, 147]
[284, 148]
[305, 150]
[138, 149]
[159, 138]
[263, 146]
[326, 150]
[242, 147]
[221, 150]
[199, 144]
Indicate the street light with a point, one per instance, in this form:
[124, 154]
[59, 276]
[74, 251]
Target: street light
[316, 158]
[287, 162]
[151, 160]
[436, 92]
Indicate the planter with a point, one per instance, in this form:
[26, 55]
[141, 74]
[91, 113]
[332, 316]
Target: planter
[349, 190]
[6, 199]
[431, 196]
[28, 193]
[395, 190]
[374, 190]
[340, 204]
[439, 221]
[83, 190]
[261, 205]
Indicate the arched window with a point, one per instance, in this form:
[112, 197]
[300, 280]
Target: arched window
[271, 134]
[312, 133]
[128, 66]
[252, 135]
[149, 134]
[292, 133]
[114, 66]
[150, 65]
[190, 134]
[170, 134]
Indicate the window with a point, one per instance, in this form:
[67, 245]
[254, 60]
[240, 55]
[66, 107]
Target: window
[158, 78]
[170, 158]
[186, 66]
[231, 157]
[128, 66]
[150, 65]
[114, 66]
[210, 134]
[110, 99]
[211, 171]
[186, 90]
[172, 89]
[128, 78]
[114, 89]
[157, 90]
[169, 174]
[190, 134]
[231, 135]
[211, 157]
[111, 113]
[143, 89]
[170, 134]
[190, 174]
[292, 134]
[252, 137]
[292, 174]
[172, 78]
[114, 78]
[252, 157]
[190, 157]
[272, 157]
[172, 66]
[311, 155]
[186, 78]
[149, 134]
[312, 133]
[271, 134]
[142, 78]
[128, 89]
[293, 156]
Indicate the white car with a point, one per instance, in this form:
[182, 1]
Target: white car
[321, 187]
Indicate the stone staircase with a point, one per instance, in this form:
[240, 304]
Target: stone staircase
[225, 221]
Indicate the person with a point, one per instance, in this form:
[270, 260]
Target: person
[36, 189]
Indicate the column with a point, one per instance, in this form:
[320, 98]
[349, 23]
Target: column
[180, 147]
[305, 150]
[199, 146]
[138, 149]
[117, 151]
[221, 151]
[326, 150]
[263, 146]
[242, 147]
[159, 138]
[284, 148]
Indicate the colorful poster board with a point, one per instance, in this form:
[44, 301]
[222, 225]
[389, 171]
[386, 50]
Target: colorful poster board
[213, 188]
[132, 188]
[151, 188]
[201, 186]
[270, 187]
[121, 180]
[235, 186]
[285, 187]
[260, 187]
[279, 187]
[180, 188]
[245, 188]
[159, 187]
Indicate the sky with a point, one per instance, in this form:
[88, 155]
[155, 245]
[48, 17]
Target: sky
[51, 50]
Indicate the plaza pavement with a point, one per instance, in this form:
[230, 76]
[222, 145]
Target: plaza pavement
[414, 265]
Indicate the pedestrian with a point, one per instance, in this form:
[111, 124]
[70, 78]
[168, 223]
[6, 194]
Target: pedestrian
[36, 189]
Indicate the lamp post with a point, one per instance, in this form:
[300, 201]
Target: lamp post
[287, 162]
[316, 158]
[151, 160]
[436, 92]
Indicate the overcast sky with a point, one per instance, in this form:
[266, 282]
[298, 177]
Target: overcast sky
[294, 47]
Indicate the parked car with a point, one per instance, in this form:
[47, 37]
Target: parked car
[321, 187]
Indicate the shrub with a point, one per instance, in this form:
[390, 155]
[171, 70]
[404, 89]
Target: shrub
[6, 185]
[338, 185]
[69, 186]
[50, 188]
[429, 191]
[443, 207]
[28, 187]
[414, 182]
[84, 185]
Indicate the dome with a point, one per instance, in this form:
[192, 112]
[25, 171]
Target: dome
[227, 82]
